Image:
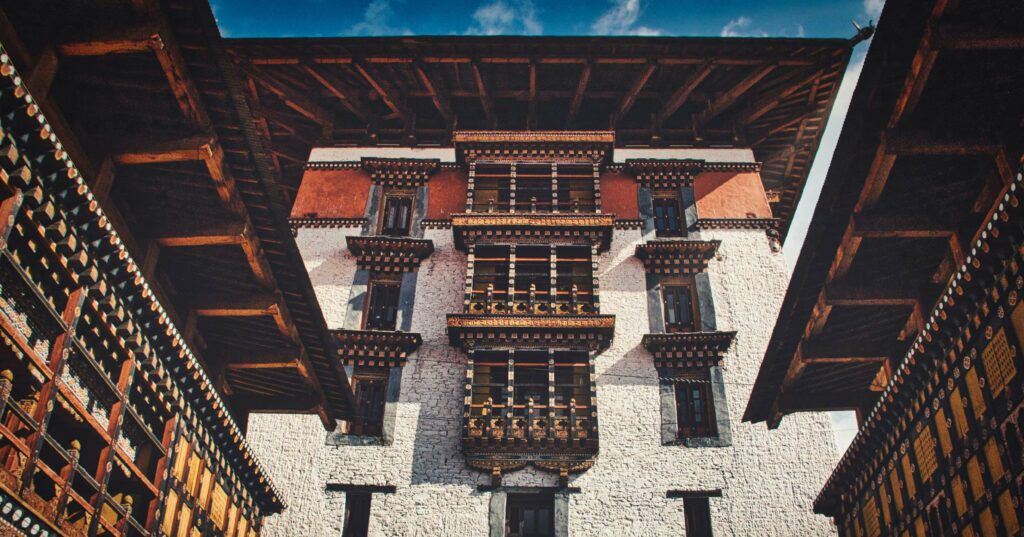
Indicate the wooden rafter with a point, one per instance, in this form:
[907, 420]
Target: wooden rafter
[577, 96]
[232, 233]
[392, 97]
[531, 113]
[899, 226]
[248, 305]
[683, 92]
[770, 101]
[485, 98]
[723, 101]
[296, 100]
[348, 96]
[629, 98]
[846, 295]
[961, 36]
[437, 90]
[282, 358]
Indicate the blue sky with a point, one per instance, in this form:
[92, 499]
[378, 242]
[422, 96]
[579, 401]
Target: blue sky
[725, 18]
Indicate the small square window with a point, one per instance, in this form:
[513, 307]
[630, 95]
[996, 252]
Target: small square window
[530, 515]
[357, 515]
[680, 313]
[698, 516]
[370, 386]
[382, 311]
[396, 216]
[668, 216]
[695, 412]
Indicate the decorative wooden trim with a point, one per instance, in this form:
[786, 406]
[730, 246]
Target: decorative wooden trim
[688, 349]
[738, 223]
[375, 347]
[560, 228]
[623, 223]
[400, 172]
[544, 146]
[436, 223]
[533, 137]
[389, 254]
[332, 165]
[677, 256]
[674, 173]
[593, 332]
[315, 222]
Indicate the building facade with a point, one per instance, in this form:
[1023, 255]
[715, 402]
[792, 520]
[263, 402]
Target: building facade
[547, 335]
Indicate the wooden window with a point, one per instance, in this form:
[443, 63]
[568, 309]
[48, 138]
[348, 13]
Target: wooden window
[357, 514]
[396, 215]
[576, 188]
[993, 460]
[489, 293]
[924, 450]
[997, 358]
[695, 413]
[908, 477]
[987, 523]
[574, 292]
[533, 279]
[679, 302]
[956, 403]
[492, 188]
[698, 516]
[974, 392]
[669, 220]
[959, 498]
[974, 479]
[534, 188]
[897, 489]
[944, 439]
[872, 524]
[382, 311]
[530, 515]
[370, 385]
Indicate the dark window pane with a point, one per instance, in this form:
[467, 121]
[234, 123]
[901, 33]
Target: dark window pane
[698, 517]
[679, 314]
[397, 210]
[695, 407]
[369, 385]
[382, 312]
[357, 514]
[530, 515]
[668, 221]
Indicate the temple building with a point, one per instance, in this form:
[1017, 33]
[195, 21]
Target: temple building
[465, 286]
[905, 304]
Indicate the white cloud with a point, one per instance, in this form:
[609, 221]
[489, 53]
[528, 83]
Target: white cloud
[873, 8]
[502, 17]
[742, 26]
[800, 30]
[377, 21]
[620, 19]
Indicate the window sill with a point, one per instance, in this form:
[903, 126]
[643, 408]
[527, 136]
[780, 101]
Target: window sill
[700, 442]
[342, 439]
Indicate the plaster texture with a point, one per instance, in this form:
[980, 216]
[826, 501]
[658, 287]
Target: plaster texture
[768, 479]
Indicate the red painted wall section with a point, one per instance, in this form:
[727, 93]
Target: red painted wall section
[618, 195]
[730, 195]
[447, 193]
[332, 194]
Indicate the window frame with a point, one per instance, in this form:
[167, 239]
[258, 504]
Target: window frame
[540, 502]
[402, 196]
[697, 513]
[671, 199]
[696, 383]
[368, 375]
[672, 287]
[364, 500]
[373, 289]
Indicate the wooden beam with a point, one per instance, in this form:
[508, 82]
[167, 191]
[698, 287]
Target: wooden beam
[577, 96]
[846, 295]
[219, 234]
[899, 226]
[877, 178]
[961, 36]
[485, 98]
[908, 142]
[438, 92]
[719, 104]
[43, 72]
[391, 96]
[348, 96]
[770, 101]
[119, 40]
[683, 92]
[185, 92]
[248, 305]
[283, 358]
[193, 148]
[631, 94]
[293, 98]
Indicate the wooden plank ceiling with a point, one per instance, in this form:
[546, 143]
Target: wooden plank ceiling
[930, 143]
[138, 92]
[769, 94]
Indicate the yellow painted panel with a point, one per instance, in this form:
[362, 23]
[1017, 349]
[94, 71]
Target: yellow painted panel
[908, 477]
[181, 455]
[919, 527]
[170, 506]
[1009, 513]
[959, 498]
[218, 505]
[232, 520]
[897, 494]
[974, 392]
[998, 361]
[194, 466]
[885, 504]
[940, 425]
[871, 523]
[184, 521]
[1018, 320]
[968, 532]
[204, 486]
[974, 478]
[995, 462]
[988, 523]
[924, 450]
[959, 416]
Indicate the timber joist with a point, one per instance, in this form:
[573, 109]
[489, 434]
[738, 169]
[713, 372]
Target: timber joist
[198, 206]
[676, 257]
[389, 254]
[79, 271]
[375, 347]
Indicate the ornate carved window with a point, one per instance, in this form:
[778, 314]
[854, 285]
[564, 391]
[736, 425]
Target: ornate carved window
[492, 188]
[545, 279]
[533, 187]
[382, 307]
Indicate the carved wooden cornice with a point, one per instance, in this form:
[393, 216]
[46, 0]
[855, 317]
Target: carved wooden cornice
[375, 347]
[315, 222]
[593, 332]
[738, 223]
[436, 223]
[543, 146]
[389, 254]
[400, 172]
[674, 173]
[623, 223]
[688, 349]
[676, 256]
[525, 228]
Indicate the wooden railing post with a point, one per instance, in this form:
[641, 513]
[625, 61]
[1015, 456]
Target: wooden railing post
[67, 476]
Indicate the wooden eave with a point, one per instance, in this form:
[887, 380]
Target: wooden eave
[375, 347]
[673, 173]
[688, 349]
[594, 332]
[389, 254]
[676, 256]
[163, 135]
[544, 146]
[773, 95]
[569, 228]
[921, 164]
[400, 172]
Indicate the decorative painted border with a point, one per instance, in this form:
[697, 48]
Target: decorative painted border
[676, 256]
[314, 222]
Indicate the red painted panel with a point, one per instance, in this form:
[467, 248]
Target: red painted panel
[332, 194]
[447, 193]
[730, 195]
[618, 195]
